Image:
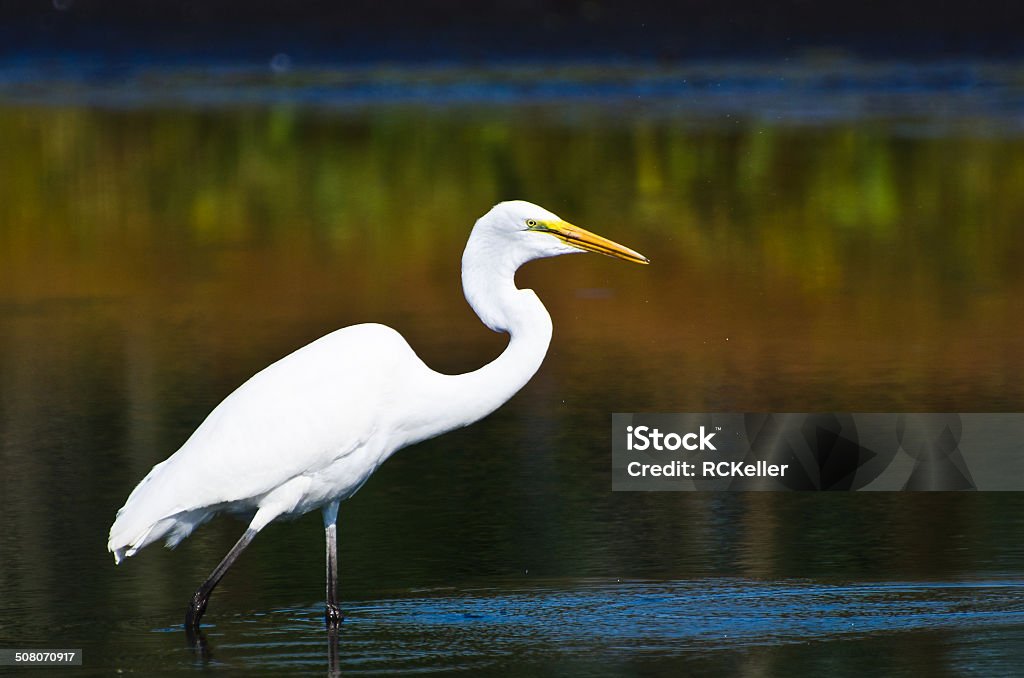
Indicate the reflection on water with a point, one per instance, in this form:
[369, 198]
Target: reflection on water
[844, 267]
[152, 259]
[609, 627]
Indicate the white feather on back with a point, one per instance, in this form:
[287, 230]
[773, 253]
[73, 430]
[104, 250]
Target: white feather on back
[296, 418]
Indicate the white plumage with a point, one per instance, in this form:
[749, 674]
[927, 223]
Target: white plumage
[290, 439]
[309, 430]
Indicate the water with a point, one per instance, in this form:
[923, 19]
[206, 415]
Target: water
[155, 253]
[610, 628]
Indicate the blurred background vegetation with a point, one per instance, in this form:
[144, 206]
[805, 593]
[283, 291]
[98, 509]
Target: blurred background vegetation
[856, 246]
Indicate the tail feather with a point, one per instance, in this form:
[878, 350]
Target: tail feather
[150, 514]
[175, 528]
[125, 547]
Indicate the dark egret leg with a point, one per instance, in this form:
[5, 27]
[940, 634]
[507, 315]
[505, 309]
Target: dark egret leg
[333, 614]
[197, 606]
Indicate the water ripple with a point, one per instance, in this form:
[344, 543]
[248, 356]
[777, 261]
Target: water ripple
[474, 629]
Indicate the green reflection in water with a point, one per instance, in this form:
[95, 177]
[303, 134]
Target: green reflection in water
[851, 254]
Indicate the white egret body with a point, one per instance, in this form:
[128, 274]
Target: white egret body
[306, 432]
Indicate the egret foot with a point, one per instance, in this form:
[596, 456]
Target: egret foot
[195, 611]
[197, 642]
[197, 606]
[333, 616]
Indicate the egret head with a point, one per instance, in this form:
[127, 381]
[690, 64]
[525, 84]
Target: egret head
[509, 235]
[523, 231]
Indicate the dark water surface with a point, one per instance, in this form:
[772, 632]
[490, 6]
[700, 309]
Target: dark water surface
[154, 255]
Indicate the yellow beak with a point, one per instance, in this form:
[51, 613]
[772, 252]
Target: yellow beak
[591, 242]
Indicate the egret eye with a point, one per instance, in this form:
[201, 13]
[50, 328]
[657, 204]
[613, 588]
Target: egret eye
[531, 223]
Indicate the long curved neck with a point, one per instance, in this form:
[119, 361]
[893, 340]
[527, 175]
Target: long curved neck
[489, 285]
[504, 308]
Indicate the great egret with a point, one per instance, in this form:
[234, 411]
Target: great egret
[309, 430]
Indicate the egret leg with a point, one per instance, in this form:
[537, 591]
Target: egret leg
[197, 606]
[332, 615]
